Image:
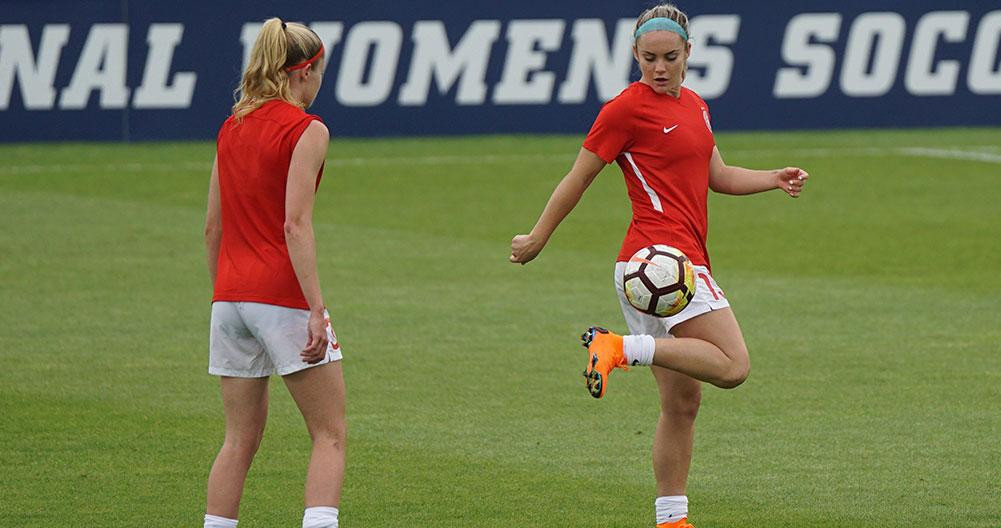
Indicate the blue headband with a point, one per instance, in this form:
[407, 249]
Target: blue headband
[660, 24]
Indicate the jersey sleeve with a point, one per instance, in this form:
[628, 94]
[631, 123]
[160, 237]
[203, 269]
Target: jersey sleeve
[612, 131]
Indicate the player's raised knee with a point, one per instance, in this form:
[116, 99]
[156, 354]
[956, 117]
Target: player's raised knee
[734, 377]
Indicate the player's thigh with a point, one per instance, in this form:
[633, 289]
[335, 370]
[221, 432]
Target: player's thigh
[718, 327]
[245, 402]
[319, 394]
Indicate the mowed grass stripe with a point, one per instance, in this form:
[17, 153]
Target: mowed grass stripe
[980, 153]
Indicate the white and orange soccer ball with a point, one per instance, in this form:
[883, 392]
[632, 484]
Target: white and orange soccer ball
[659, 280]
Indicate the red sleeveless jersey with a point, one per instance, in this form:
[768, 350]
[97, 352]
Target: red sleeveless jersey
[663, 145]
[253, 156]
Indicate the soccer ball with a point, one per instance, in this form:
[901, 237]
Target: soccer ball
[659, 280]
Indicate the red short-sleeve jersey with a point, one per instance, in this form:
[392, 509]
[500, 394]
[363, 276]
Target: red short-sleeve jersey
[253, 156]
[663, 145]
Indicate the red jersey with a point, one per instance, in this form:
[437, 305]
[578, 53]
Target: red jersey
[253, 158]
[663, 145]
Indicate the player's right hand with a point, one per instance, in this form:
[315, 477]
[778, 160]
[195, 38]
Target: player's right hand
[524, 248]
[316, 347]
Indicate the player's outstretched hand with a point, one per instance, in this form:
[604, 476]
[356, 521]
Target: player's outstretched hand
[524, 248]
[792, 180]
[316, 347]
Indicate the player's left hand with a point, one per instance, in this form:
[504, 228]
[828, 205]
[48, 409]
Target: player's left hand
[316, 331]
[791, 180]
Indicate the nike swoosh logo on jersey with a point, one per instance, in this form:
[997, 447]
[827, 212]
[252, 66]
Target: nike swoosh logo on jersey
[668, 130]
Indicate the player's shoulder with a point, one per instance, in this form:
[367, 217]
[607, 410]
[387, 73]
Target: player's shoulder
[296, 117]
[692, 95]
[317, 129]
[626, 102]
[226, 126]
[315, 136]
[630, 94]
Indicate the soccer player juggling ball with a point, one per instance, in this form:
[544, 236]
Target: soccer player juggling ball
[660, 135]
[268, 314]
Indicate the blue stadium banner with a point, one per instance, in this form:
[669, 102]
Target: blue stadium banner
[135, 70]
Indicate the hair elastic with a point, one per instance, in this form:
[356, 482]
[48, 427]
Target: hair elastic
[307, 62]
[660, 24]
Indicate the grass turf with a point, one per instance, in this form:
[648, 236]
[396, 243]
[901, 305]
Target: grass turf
[870, 306]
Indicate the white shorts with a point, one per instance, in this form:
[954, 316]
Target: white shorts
[254, 340]
[708, 297]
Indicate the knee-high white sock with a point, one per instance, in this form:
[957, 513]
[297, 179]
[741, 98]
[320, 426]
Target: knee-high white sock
[672, 508]
[320, 517]
[214, 521]
[638, 349]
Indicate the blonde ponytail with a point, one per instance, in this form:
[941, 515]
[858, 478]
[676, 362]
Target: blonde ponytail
[278, 46]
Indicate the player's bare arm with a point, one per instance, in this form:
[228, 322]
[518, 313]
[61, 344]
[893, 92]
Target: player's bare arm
[727, 179]
[307, 158]
[524, 248]
[213, 223]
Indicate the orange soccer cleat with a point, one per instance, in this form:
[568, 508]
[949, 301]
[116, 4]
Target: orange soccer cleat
[680, 523]
[604, 353]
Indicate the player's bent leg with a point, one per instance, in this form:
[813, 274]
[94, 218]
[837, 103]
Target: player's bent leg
[245, 402]
[708, 347]
[713, 331]
[319, 394]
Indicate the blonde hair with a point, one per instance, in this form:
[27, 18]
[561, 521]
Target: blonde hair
[278, 46]
[666, 10]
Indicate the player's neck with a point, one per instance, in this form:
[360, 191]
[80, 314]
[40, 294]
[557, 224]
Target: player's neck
[674, 92]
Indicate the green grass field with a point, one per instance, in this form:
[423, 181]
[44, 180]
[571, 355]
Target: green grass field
[870, 305]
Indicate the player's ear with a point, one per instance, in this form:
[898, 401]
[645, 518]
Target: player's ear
[636, 53]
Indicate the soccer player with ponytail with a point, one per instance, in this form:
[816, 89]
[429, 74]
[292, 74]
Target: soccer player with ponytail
[660, 135]
[268, 313]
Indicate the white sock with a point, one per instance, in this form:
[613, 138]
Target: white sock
[214, 521]
[638, 349]
[672, 508]
[320, 517]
